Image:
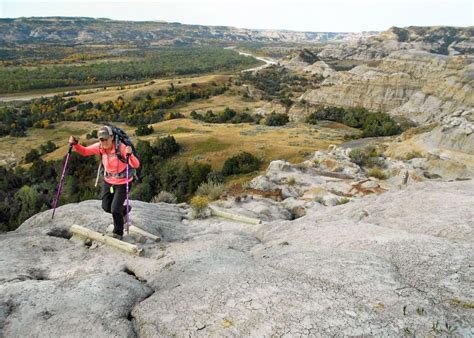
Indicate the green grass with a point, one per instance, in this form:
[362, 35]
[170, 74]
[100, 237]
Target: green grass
[179, 130]
[208, 146]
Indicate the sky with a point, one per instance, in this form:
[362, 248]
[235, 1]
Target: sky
[298, 15]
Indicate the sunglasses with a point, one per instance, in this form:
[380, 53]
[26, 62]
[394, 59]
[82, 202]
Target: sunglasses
[103, 139]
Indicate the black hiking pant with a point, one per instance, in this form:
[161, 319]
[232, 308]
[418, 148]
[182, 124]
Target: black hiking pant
[112, 202]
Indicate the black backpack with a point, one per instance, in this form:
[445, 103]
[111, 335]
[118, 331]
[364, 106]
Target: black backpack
[121, 137]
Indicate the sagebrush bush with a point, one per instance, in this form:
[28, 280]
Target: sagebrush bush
[413, 154]
[165, 197]
[199, 204]
[377, 173]
[211, 190]
[367, 157]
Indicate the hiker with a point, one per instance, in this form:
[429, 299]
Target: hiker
[114, 190]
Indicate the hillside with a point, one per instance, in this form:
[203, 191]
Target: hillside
[69, 31]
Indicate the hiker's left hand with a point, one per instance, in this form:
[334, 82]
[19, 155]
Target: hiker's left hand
[128, 150]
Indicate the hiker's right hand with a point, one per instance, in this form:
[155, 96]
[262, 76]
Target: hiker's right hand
[73, 140]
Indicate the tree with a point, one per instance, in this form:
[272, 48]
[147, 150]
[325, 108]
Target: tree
[277, 119]
[33, 155]
[166, 147]
[48, 147]
[26, 199]
[240, 164]
[144, 130]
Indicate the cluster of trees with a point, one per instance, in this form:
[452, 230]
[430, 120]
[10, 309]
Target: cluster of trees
[35, 154]
[39, 113]
[372, 124]
[168, 62]
[276, 119]
[40, 54]
[228, 115]
[276, 83]
[25, 192]
[141, 110]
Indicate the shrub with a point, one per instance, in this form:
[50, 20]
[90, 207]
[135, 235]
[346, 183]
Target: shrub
[166, 147]
[144, 130]
[165, 197]
[377, 173]
[327, 113]
[32, 156]
[413, 154]
[199, 204]
[172, 116]
[277, 119]
[210, 190]
[343, 200]
[215, 177]
[142, 191]
[92, 134]
[228, 115]
[291, 180]
[367, 157]
[240, 164]
[372, 124]
[48, 147]
[287, 102]
[379, 124]
[359, 157]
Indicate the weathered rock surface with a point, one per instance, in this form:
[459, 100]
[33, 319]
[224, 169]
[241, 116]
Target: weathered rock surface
[383, 265]
[439, 40]
[418, 86]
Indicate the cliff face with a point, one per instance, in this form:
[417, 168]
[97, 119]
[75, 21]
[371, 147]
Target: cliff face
[438, 40]
[418, 85]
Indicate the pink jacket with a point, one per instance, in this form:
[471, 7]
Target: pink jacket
[110, 161]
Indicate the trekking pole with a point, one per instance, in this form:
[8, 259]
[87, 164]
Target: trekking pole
[128, 202]
[60, 186]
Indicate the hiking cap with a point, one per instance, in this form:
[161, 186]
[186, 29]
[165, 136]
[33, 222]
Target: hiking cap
[105, 132]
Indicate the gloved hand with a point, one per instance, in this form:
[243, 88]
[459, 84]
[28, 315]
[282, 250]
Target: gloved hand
[73, 140]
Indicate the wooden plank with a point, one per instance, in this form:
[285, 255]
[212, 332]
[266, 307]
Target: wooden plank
[139, 231]
[142, 232]
[107, 240]
[228, 215]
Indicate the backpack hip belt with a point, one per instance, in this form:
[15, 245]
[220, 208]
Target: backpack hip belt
[122, 174]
